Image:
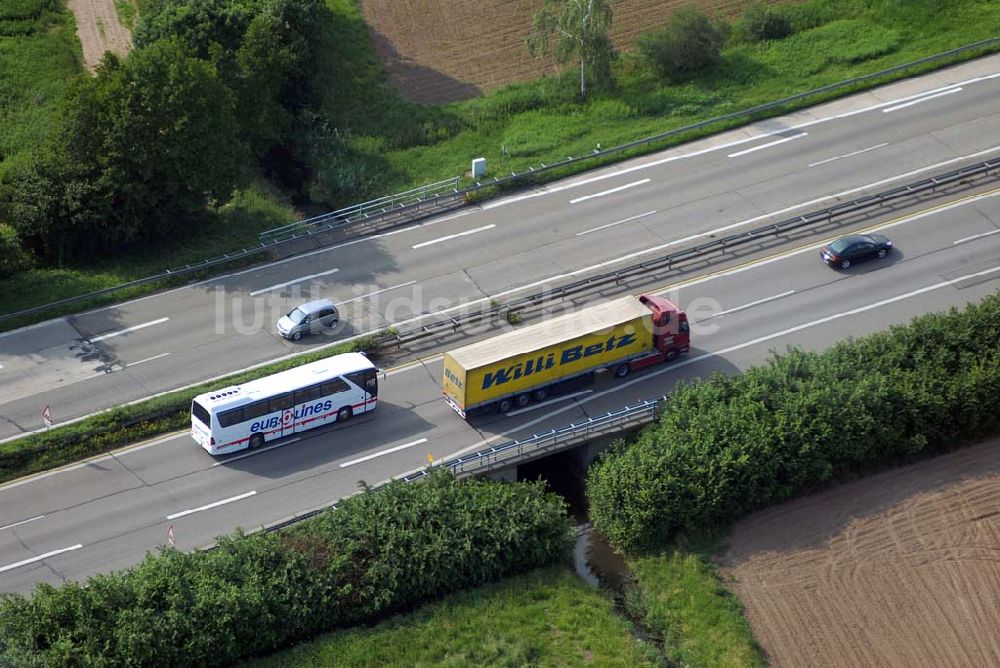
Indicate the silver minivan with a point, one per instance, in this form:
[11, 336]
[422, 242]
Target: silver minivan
[308, 318]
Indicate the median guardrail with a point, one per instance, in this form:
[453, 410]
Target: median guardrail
[864, 206]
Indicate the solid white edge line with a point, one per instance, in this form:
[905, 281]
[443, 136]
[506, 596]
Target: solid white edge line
[383, 452]
[618, 222]
[767, 145]
[453, 236]
[292, 282]
[258, 451]
[609, 192]
[17, 524]
[39, 558]
[975, 236]
[95, 339]
[847, 155]
[148, 359]
[216, 504]
[565, 397]
[924, 98]
[746, 306]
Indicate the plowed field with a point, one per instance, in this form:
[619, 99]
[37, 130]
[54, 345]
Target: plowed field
[899, 569]
[445, 50]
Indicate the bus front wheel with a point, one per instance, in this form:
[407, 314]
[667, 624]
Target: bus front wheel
[344, 414]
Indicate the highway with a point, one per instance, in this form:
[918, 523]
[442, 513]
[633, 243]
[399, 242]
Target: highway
[106, 513]
[770, 170]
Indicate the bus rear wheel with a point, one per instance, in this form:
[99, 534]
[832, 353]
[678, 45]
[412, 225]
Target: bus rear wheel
[344, 414]
[256, 441]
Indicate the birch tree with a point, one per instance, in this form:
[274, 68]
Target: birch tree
[578, 28]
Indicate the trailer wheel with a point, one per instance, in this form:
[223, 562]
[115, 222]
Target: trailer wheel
[673, 354]
[505, 405]
[623, 370]
[541, 395]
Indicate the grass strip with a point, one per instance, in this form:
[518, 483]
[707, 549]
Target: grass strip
[547, 617]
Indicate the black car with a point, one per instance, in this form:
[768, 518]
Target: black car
[845, 251]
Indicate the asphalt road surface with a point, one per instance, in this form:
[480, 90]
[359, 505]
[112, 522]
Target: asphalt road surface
[771, 170]
[107, 513]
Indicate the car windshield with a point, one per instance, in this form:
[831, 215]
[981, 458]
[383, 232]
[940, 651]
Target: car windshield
[840, 245]
[296, 315]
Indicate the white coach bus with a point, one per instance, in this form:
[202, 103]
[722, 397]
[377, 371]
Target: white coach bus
[312, 395]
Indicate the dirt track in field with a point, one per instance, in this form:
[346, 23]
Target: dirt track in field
[439, 51]
[899, 569]
[99, 30]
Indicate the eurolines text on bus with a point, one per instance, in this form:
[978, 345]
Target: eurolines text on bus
[305, 411]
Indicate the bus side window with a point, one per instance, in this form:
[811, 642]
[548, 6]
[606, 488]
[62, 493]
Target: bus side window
[280, 402]
[255, 410]
[230, 417]
[334, 386]
[308, 394]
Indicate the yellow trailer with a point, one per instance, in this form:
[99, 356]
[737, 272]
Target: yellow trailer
[513, 368]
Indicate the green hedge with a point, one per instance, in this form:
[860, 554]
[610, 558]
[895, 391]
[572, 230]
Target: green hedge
[127, 424]
[734, 444]
[379, 552]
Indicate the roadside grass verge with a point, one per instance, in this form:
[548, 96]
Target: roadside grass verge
[234, 226]
[680, 599]
[548, 617]
[405, 145]
[123, 425]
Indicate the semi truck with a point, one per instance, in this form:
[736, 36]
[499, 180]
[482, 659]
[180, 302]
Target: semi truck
[528, 364]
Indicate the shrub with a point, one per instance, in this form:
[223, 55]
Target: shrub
[766, 22]
[688, 44]
[13, 258]
[732, 445]
[378, 553]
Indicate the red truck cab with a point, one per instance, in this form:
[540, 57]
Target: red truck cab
[671, 332]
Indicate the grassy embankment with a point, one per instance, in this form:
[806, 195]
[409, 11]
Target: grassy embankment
[550, 617]
[408, 145]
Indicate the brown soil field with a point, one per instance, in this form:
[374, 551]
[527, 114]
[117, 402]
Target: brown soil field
[899, 569]
[99, 30]
[438, 51]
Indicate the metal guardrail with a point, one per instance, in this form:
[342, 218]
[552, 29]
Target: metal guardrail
[417, 207]
[510, 452]
[548, 442]
[964, 176]
[366, 211]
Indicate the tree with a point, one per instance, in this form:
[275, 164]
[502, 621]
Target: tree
[686, 45]
[143, 149]
[12, 257]
[581, 29]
